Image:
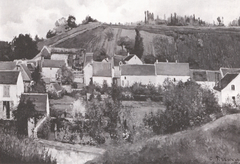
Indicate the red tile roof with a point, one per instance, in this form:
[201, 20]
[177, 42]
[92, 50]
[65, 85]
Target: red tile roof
[137, 70]
[172, 69]
[9, 77]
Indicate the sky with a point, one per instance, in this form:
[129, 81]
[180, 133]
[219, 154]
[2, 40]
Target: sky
[36, 17]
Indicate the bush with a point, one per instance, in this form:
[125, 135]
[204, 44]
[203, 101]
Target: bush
[187, 105]
[229, 109]
[24, 150]
[45, 129]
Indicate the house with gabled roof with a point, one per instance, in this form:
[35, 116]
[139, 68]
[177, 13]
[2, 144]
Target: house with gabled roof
[131, 59]
[50, 68]
[11, 88]
[224, 71]
[135, 73]
[41, 105]
[116, 61]
[102, 73]
[206, 78]
[172, 71]
[228, 89]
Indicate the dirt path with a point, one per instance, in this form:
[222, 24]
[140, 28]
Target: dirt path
[71, 154]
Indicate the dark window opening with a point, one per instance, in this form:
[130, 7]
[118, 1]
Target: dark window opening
[6, 105]
[233, 87]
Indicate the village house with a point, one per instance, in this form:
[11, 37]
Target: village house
[72, 57]
[133, 73]
[41, 105]
[224, 71]
[50, 69]
[102, 73]
[53, 87]
[173, 71]
[115, 62]
[11, 88]
[206, 78]
[131, 59]
[228, 89]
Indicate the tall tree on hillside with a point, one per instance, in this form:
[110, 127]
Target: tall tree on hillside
[24, 47]
[138, 47]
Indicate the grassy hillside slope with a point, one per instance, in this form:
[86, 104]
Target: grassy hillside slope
[215, 142]
[202, 47]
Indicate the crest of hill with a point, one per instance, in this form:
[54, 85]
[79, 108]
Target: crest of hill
[197, 46]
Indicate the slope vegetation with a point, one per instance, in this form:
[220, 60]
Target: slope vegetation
[203, 47]
[215, 142]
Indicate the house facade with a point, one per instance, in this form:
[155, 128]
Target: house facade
[50, 68]
[11, 88]
[228, 89]
[172, 71]
[144, 74]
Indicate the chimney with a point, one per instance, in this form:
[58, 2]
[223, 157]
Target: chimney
[175, 61]
[166, 60]
[128, 54]
[157, 61]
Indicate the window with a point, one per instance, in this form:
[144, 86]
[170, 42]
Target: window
[233, 87]
[6, 107]
[6, 92]
[125, 78]
[174, 79]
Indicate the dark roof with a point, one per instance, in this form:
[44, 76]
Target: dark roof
[204, 75]
[224, 71]
[7, 65]
[116, 59]
[225, 81]
[172, 69]
[9, 77]
[38, 99]
[57, 87]
[138, 70]
[128, 57]
[102, 69]
[53, 63]
[26, 74]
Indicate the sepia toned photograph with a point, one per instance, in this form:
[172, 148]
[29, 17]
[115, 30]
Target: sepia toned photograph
[119, 82]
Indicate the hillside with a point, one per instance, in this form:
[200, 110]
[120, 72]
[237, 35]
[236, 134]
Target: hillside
[215, 142]
[203, 47]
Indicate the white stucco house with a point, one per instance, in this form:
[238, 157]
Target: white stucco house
[228, 89]
[11, 88]
[173, 71]
[102, 73]
[50, 68]
[135, 73]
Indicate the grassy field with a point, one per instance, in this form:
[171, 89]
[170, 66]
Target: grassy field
[216, 142]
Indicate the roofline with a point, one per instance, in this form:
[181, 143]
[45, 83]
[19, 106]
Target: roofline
[34, 94]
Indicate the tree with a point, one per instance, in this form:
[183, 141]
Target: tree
[24, 47]
[100, 54]
[65, 75]
[39, 84]
[219, 20]
[25, 111]
[127, 43]
[149, 59]
[71, 21]
[138, 47]
[6, 53]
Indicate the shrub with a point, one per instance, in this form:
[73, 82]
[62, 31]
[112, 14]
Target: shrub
[24, 150]
[45, 129]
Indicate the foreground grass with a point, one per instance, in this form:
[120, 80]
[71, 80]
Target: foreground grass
[22, 150]
[215, 142]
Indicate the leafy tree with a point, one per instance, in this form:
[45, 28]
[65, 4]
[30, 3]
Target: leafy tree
[127, 43]
[39, 84]
[71, 21]
[65, 75]
[100, 54]
[6, 53]
[25, 111]
[149, 59]
[138, 47]
[89, 19]
[24, 47]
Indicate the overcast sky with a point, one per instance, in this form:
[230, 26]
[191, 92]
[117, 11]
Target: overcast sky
[38, 16]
